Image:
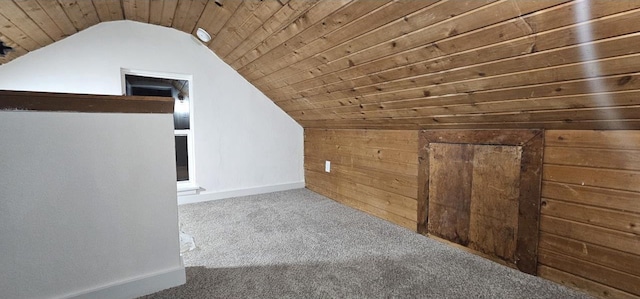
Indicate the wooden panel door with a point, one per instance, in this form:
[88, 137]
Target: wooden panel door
[474, 196]
[481, 189]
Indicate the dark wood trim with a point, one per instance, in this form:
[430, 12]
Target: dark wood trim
[423, 182]
[532, 142]
[529, 204]
[43, 101]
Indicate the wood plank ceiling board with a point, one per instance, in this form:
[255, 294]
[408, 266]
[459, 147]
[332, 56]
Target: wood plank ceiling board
[168, 11]
[16, 52]
[57, 14]
[360, 26]
[249, 14]
[14, 14]
[385, 90]
[16, 35]
[396, 64]
[192, 15]
[286, 15]
[155, 11]
[258, 17]
[337, 61]
[108, 10]
[300, 45]
[136, 10]
[215, 16]
[39, 17]
[323, 9]
[422, 36]
[81, 13]
[408, 24]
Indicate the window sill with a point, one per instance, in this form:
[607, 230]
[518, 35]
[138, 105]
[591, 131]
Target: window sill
[188, 189]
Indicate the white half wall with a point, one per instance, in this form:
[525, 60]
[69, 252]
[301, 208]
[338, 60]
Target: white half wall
[244, 143]
[87, 205]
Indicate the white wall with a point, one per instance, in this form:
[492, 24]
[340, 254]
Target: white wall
[244, 143]
[87, 202]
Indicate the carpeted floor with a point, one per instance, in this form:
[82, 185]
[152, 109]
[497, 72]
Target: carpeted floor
[298, 244]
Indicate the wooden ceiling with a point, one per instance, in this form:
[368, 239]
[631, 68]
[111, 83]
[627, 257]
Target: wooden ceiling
[404, 64]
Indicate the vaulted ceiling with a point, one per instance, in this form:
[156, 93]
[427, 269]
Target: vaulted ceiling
[402, 64]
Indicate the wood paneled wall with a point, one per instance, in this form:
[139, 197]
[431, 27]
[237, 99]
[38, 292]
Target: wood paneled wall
[590, 205]
[373, 171]
[590, 222]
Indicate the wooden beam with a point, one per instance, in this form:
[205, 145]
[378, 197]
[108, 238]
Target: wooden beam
[38, 101]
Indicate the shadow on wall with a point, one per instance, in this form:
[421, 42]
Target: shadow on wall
[376, 277]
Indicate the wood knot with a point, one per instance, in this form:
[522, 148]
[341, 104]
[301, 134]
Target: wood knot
[624, 80]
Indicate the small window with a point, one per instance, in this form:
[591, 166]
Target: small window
[179, 90]
[182, 158]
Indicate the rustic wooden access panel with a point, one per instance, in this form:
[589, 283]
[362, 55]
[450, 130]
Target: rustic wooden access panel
[481, 189]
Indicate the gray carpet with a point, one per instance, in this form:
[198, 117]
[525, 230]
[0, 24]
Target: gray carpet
[298, 244]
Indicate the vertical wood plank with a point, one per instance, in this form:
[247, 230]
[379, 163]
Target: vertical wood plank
[109, 10]
[529, 203]
[129, 8]
[194, 13]
[168, 12]
[493, 223]
[450, 182]
[155, 11]
[142, 10]
[423, 183]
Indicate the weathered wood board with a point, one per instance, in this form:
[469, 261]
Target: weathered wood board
[481, 189]
[494, 200]
[450, 174]
[473, 196]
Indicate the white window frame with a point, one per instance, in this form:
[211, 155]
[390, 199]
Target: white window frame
[184, 187]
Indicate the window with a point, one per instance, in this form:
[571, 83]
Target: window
[177, 87]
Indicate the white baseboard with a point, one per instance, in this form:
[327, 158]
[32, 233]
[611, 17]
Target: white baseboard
[207, 196]
[135, 287]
